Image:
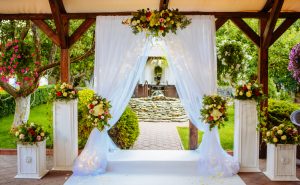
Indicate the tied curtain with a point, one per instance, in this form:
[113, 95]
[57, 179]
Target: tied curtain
[119, 63]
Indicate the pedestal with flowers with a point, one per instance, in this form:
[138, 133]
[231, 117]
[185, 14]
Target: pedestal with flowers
[246, 137]
[281, 152]
[31, 150]
[65, 126]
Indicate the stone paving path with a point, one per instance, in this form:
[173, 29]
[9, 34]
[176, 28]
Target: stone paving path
[159, 136]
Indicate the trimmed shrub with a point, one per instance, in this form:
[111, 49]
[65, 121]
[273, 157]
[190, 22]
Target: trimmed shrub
[280, 111]
[7, 102]
[126, 131]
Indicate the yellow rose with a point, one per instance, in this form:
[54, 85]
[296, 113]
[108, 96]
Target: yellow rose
[42, 134]
[249, 94]
[283, 137]
[241, 93]
[65, 94]
[17, 134]
[275, 140]
[98, 110]
[279, 132]
[216, 114]
[268, 133]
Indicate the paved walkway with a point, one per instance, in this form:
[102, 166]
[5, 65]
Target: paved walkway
[159, 136]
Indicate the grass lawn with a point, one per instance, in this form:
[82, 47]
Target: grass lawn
[226, 133]
[41, 115]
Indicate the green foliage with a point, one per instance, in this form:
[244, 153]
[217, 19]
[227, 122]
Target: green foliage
[126, 131]
[7, 102]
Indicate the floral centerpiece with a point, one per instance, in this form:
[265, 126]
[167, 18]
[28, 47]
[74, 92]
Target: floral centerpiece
[98, 111]
[29, 133]
[248, 90]
[64, 91]
[157, 23]
[294, 64]
[214, 111]
[282, 134]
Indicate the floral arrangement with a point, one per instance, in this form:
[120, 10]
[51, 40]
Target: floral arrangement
[29, 133]
[231, 61]
[157, 23]
[282, 134]
[64, 91]
[214, 111]
[17, 60]
[294, 64]
[248, 90]
[98, 111]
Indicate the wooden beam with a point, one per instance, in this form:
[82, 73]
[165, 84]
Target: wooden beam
[282, 28]
[220, 22]
[244, 27]
[47, 30]
[267, 35]
[193, 141]
[267, 6]
[60, 22]
[163, 4]
[80, 31]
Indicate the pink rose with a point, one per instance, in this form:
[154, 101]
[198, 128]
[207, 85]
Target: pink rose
[161, 20]
[38, 138]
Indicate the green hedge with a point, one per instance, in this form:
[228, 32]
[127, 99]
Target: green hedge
[126, 131]
[7, 102]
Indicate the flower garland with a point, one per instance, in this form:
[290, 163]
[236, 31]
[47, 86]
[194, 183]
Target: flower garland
[248, 90]
[214, 111]
[29, 133]
[282, 134]
[157, 23]
[294, 64]
[64, 91]
[17, 60]
[98, 111]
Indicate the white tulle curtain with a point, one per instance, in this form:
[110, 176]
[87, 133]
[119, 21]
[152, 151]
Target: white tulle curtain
[192, 57]
[119, 62]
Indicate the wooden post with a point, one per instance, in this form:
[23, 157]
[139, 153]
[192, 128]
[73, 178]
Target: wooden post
[193, 141]
[65, 65]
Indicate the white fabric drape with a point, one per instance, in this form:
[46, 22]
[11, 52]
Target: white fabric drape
[192, 57]
[119, 62]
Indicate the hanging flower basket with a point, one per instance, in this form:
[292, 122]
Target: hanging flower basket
[294, 64]
[214, 111]
[98, 112]
[157, 23]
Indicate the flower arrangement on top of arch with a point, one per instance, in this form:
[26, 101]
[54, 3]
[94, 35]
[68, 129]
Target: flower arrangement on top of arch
[157, 23]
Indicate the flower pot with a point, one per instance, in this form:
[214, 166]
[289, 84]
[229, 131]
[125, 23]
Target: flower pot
[281, 162]
[246, 137]
[32, 160]
[65, 134]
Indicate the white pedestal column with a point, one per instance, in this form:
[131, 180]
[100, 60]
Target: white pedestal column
[246, 137]
[65, 134]
[32, 160]
[281, 162]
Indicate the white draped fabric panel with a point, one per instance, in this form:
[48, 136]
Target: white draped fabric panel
[192, 57]
[119, 62]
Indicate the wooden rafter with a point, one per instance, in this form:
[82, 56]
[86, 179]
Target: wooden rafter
[267, 6]
[282, 28]
[80, 31]
[274, 14]
[60, 22]
[41, 24]
[220, 22]
[239, 22]
[163, 4]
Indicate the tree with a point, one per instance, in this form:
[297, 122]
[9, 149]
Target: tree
[26, 59]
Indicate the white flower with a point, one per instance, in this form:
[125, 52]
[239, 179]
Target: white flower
[31, 124]
[98, 110]
[96, 120]
[21, 136]
[216, 114]
[133, 23]
[94, 102]
[102, 117]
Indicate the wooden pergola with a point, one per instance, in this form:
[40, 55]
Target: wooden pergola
[62, 11]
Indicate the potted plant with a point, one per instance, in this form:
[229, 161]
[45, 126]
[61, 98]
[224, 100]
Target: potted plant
[281, 152]
[246, 143]
[31, 148]
[65, 126]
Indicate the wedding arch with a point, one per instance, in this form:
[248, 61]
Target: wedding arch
[119, 62]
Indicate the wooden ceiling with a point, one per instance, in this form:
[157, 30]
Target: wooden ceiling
[83, 9]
